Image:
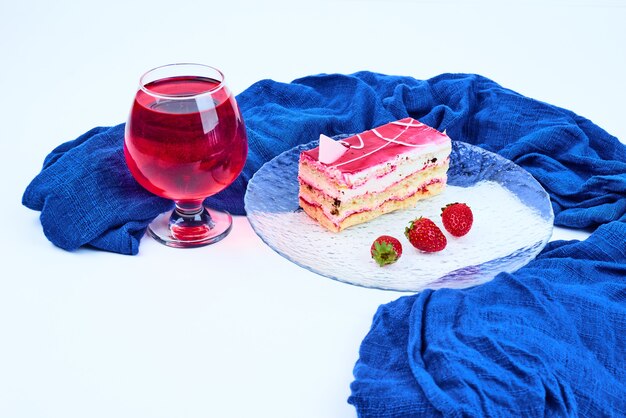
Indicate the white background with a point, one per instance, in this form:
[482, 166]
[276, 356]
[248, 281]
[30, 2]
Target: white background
[231, 330]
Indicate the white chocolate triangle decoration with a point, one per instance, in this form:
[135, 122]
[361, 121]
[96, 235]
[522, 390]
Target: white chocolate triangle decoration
[330, 150]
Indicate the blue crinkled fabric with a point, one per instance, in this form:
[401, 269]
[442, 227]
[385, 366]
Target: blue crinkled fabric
[87, 196]
[547, 340]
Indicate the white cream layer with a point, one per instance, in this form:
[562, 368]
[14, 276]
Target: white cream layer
[376, 184]
[338, 219]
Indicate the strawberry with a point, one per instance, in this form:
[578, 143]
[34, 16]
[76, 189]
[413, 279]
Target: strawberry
[424, 235]
[457, 218]
[386, 250]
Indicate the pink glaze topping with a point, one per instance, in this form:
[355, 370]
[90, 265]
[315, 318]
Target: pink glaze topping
[382, 144]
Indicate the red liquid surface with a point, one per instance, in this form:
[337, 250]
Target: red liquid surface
[185, 149]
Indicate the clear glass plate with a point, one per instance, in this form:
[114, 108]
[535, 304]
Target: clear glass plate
[513, 221]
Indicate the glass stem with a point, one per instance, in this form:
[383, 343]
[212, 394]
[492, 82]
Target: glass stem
[189, 208]
[190, 220]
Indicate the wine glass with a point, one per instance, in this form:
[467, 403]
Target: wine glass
[185, 140]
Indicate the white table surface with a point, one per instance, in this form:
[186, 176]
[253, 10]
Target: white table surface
[233, 329]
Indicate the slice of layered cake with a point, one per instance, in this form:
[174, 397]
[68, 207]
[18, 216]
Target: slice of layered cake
[391, 167]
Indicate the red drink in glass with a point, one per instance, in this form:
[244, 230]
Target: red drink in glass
[185, 149]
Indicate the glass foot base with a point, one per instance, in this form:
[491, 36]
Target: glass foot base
[167, 231]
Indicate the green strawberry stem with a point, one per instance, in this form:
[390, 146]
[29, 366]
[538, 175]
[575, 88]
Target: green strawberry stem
[384, 253]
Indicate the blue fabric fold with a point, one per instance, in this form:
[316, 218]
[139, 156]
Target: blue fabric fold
[547, 340]
[87, 197]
